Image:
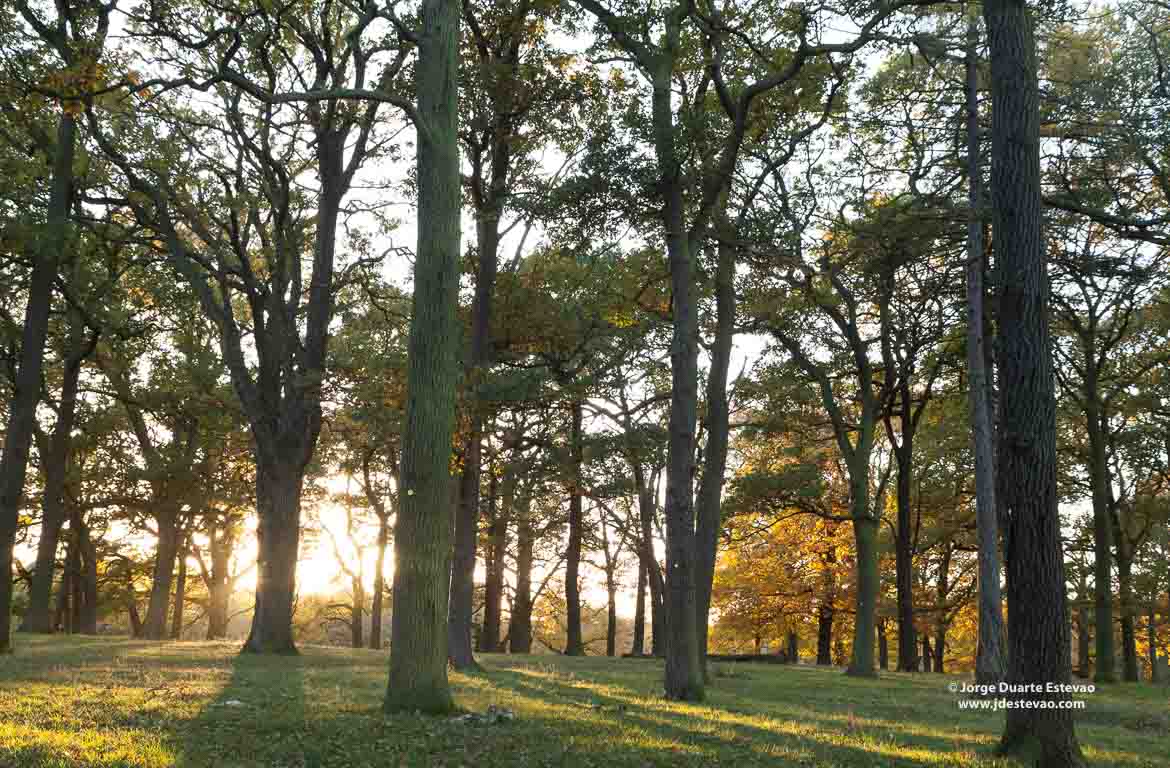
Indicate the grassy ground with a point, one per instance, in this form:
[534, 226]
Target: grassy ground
[111, 702]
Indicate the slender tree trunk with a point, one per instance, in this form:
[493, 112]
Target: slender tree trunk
[865, 539]
[1083, 641]
[180, 595]
[520, 625]
[497, 551]
[825, 615]
[22, 409]
[903, 545]
[379, 585]
[1038, 634]
[166, 519]
[1152, 645]
[989, 660]
[574, 644]
[87, 578]
[278, 496]
[611, 615]
[638, 648]
[883, 646]
[708, 507]
[646, 511]
[793, 648]
[1099, 479]
[1129, 656]
[462, 600]
[219, 586]
[38, 617]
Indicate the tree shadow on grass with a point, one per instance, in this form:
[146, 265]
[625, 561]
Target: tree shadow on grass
[704, 733]
[257, 718]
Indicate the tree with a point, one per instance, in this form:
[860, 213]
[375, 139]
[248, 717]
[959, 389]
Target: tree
[422, 536]
[1038, 628]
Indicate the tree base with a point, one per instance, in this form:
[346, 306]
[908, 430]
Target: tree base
[431, 701]
[270, 649]
[852, 671]
[1030, 750]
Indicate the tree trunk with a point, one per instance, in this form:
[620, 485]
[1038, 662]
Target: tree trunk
[278, 496]
[497, 550]
[927, 653]
[865, 530]
[989, 659]
[638, 648]
[646, 511]
[883, 646]
[38, 617]
[1038, 634]
[379, 585]
[520, 625]
[903, 546]
[574, 644]
[793, 648]
[825, 635]
[86, 578]
[422, 539]
[1099, 480]
[23, 406]
[708, 507]
[1129, 657]
[1083, 641]
[180, 595]
[611, 616]
[462, 599]
[219, 584]
[166, 518]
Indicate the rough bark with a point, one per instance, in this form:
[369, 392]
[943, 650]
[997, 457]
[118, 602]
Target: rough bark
[903, 540]
[1099, 480]
[989, 660]
[708, 505]
[22, 408]
[574, 643]
[1038, 633]
[422, 538]
[278, 495]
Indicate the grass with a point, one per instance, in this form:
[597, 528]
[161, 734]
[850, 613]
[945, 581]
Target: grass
[115, 702]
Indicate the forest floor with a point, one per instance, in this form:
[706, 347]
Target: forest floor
[116, 702]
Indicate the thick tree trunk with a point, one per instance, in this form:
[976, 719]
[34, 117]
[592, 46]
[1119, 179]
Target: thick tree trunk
[520, 625]
[22, 409]
[379, 585]
[278, 495]
[180, 595]
[825, 635]
[989, 660]
[166, 519]
[638, 647]
[1038, 634]
[422, 539]
[574, 644]
[708, 506]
